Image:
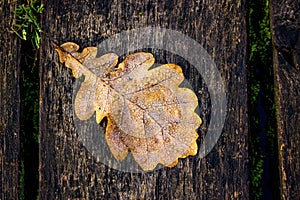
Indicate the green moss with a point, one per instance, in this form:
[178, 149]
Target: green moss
[28, 26]
[261, 103]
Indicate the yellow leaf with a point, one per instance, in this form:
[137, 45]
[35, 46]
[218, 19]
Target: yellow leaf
[147, 113]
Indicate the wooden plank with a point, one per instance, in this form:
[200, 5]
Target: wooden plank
[286, 40]
[68, 171]
[9, 104]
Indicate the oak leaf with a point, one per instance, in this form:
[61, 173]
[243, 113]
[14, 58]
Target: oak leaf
[147, 113]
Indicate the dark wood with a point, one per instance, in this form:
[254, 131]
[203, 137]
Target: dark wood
[286, 41]
[9, 103]
[68, 171]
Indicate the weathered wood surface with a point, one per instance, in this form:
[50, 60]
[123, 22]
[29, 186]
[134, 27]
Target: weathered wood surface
[9, 103]
[285, 17]
[68, 171]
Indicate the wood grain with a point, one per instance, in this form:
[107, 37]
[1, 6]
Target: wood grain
[68, 171]
[286, 42]
[9, 103]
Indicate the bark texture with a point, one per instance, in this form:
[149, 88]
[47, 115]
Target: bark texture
[286, 40]
[9, 103]
[67, 169]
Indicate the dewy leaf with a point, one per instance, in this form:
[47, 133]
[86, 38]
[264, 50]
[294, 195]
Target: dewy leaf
[147, 113]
